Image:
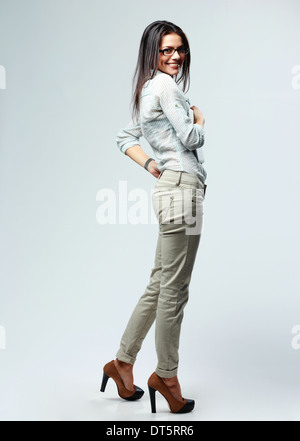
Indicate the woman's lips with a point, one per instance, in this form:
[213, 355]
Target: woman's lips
[173, 65]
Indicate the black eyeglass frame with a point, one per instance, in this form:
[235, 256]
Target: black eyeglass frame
[186, 51]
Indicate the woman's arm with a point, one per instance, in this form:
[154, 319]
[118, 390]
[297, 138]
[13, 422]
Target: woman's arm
[129, 136]
[172, 102]
[137, 154]
[128, 142]
[140, 157]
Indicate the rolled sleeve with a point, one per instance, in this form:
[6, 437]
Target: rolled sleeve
[173, 105]
[129, 136]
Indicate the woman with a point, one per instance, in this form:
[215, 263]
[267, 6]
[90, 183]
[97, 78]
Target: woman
[174, 130]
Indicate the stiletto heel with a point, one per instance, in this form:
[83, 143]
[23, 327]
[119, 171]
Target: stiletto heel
[152, 399]
[104, 382]
[110, 371]
[156, 383]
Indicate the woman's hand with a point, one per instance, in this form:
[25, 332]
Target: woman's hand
[152, 168]
[198, 116]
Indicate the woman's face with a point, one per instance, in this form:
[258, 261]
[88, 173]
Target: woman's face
[170, 64]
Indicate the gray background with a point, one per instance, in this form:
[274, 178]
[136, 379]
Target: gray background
[69, 284]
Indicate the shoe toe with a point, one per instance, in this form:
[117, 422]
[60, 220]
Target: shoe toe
[190, 403]
[137, 394]
[188, 407]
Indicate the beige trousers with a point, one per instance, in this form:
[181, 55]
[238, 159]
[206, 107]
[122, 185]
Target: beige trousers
[177, 200]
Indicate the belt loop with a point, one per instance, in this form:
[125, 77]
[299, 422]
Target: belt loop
[179, 179]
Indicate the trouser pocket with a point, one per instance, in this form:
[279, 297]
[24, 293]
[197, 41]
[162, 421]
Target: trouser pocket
[162, 201]
[178, 205]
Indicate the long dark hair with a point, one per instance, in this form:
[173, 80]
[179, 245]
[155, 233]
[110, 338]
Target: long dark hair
[149, 56]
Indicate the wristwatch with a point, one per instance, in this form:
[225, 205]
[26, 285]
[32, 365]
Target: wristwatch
[147, 162]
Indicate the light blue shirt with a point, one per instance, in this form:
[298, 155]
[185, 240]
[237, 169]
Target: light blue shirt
[167, 123]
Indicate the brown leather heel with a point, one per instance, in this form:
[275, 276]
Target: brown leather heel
[110, 371]
[155, 383]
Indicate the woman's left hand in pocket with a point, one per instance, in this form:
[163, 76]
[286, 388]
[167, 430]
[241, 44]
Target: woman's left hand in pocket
[152, 168]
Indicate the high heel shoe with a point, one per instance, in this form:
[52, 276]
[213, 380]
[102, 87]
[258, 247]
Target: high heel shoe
[110, 371]
[155, 383]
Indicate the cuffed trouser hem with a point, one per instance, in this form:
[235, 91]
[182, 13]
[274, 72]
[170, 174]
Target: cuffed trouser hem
[125, 357]
[166, 374]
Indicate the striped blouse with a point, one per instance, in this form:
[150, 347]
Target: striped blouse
[167, 123]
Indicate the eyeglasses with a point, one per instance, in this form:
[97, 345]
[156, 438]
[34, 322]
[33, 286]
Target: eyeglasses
[170, 51]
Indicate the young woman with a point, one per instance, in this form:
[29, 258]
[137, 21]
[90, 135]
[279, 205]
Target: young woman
[175, 131]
